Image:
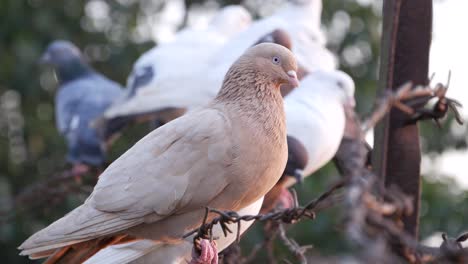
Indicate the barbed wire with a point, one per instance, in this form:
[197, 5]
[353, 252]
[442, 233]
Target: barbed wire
[288, 215]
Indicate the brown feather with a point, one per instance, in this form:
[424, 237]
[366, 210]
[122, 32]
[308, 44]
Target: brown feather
[79, 253]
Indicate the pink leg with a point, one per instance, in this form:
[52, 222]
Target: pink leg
[208, 254]
[78, 170]
[286, 199]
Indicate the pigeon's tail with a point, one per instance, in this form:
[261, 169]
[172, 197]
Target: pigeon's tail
[143, 251]
[79, 253]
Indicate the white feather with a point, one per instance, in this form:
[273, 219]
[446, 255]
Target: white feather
[315, 115]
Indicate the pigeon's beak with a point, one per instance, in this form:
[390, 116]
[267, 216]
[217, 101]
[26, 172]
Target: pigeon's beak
[293, 78]
[351, 101]
[45, 58]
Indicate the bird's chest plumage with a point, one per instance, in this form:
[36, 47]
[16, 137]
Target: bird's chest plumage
[260, 161]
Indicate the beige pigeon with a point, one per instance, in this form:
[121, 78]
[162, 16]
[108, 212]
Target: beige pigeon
[225, 155]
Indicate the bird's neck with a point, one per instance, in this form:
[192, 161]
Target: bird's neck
[72, 70]
[250, 90]
[257, 101]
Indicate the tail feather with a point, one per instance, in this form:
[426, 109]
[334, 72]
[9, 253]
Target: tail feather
[123, 252]
[79, 253]
[82, 224]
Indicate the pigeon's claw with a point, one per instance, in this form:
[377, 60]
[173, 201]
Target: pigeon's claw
[208, 253]
[285, 200]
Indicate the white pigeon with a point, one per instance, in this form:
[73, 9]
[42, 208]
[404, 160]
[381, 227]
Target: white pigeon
[153, 84]
[314, 116]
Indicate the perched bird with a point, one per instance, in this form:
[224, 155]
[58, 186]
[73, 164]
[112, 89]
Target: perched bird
[83, 95]
[158, 83]
[318, 105]
[145, 251]
[226, 155]
[315, 118]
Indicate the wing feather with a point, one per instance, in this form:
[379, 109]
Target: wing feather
[160, 175]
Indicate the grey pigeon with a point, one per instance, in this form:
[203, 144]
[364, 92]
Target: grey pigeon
[83, 95]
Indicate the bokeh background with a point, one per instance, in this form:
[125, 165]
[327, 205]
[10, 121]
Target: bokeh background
[113, 33]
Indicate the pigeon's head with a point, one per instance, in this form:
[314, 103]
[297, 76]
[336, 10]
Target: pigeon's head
[277, 36]
[231, 20]
[346, 85]
[276, 63]
[61, 52]
[281, 37]
[263, 67]
[338, 83]
[66, 58]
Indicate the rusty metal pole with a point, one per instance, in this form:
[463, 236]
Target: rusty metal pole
[406, 37]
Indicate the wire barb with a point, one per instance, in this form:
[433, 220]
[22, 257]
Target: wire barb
[288, 216]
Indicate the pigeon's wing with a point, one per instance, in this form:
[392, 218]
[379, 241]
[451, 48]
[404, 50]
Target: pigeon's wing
[83, 100]
[67, 103]
[148, 251]
[162, 174]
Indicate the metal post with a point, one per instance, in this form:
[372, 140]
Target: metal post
[406, 37]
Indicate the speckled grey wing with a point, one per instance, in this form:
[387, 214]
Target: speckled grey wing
[164, 173]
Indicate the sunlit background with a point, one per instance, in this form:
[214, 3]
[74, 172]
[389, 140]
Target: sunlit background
[113, 33]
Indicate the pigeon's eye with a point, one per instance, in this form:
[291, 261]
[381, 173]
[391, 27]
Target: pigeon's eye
[276, 60]
[340, 84]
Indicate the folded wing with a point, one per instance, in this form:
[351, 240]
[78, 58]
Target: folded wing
[159, 176]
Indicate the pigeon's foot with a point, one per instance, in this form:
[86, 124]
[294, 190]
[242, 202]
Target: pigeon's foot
[78, 170]
[208, 253]
[285, 199]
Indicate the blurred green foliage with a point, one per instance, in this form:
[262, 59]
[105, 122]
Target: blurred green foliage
[32, 150]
